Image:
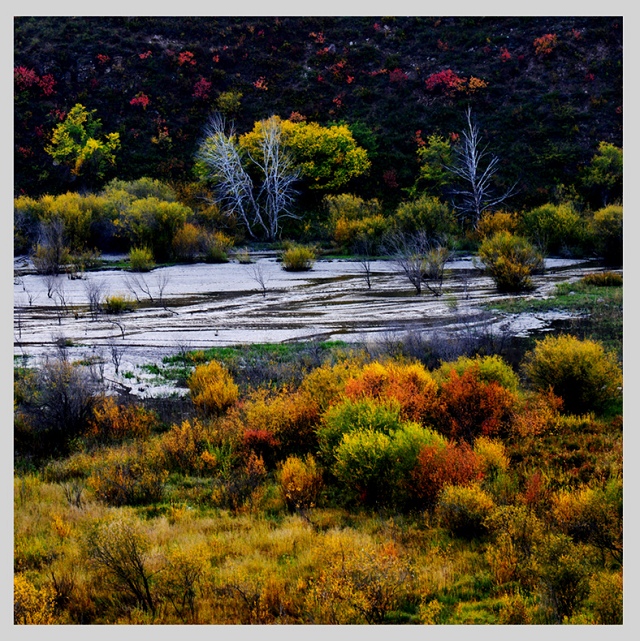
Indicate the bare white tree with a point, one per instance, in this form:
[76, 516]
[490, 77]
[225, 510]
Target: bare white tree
[477, 195]
[258, 207]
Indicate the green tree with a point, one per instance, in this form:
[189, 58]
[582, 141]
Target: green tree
[76, 144]
[327, 157]
[603, 176]
[434, 157]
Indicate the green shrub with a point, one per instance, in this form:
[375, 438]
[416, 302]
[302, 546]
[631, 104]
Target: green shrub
[141, 188]
[607, 225]
[564, 570]
[579, 371]
[515, 535]
[554, 228]
[349, 416]
[118, 304]
[153, 223]
[298, 258]
[141, 259]
[510, 261]
[426, 214]
[362, 463]
[463, 510]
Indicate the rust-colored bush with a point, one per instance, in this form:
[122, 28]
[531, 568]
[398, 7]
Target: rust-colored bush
[536, 414]
[438, 466]
[212, 388]
[470, 407]
[411, 385]
[262, 443]
[113, 421]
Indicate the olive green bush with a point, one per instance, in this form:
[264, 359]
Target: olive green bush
[607, 227]
[298, 258]
[510, 260]
[554, 229]
[581, 372]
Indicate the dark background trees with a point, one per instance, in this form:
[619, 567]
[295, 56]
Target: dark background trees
[543, 104]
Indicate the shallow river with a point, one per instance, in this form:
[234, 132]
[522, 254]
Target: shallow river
[205, 305]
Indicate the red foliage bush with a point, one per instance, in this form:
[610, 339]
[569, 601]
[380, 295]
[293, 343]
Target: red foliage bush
[470, 407]
[446, 80]
[436, 467]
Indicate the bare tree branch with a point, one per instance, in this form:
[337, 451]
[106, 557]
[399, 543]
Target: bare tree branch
[477, 196]
[260, 206]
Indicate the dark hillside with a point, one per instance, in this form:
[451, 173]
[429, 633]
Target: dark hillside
[543, 105]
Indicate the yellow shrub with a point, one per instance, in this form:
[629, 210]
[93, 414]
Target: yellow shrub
[300, 482]
[325, 384]
[494, 222]
[32, 606]
[185, 448]
[580, 372]
[491, 456]
[357, 581]
[463, 509]
[128, 477]
[188, 241]
[212, 388]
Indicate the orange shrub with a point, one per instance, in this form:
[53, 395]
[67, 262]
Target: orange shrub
[537, 414]
[212, 388]
[470, 407]
[439, 466]
[411, 385]
[112, 421]
[186, 448]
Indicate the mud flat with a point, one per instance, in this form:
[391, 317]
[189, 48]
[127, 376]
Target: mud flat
[206, 305]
